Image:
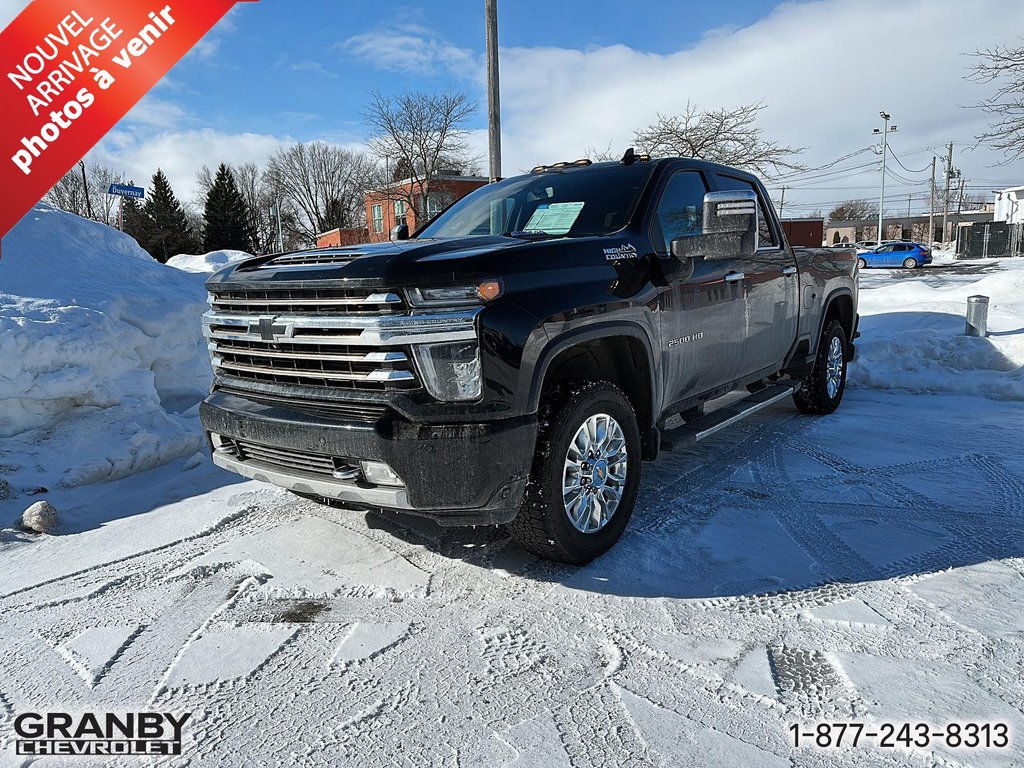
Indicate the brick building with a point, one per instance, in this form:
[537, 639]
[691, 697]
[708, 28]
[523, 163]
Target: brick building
[338, 237]
[389, 207]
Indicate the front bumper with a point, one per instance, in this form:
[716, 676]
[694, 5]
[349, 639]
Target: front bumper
[456, 474]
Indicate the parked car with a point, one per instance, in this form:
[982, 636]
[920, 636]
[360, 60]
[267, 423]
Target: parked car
[515, 360]
[847, 246]
[899, 254]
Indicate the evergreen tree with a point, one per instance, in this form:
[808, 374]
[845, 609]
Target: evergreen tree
[134, 221]
[227, 217]
[167, 231]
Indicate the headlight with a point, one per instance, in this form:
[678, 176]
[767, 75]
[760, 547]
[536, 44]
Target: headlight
[455, 295]
[450, 371]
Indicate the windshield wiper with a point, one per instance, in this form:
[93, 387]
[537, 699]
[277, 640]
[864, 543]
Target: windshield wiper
[530, 234]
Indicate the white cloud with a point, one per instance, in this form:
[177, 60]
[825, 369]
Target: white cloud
[825, 69]
[181, 153]
[410, 48]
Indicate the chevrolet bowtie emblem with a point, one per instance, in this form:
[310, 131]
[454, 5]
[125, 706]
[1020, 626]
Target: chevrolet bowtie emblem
[267, 329]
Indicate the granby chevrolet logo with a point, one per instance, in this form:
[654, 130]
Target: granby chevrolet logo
[130, 733]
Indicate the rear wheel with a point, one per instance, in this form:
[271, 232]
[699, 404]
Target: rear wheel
[822, 389]
[585, 474]
[909, 263]
[861, 264]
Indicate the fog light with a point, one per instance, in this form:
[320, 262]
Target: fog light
[379, 473]
[450, 371]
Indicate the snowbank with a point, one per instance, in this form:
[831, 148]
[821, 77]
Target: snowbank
[912, 325]
[206, 263]
[101, 349]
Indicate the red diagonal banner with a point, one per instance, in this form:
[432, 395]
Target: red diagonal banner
[70, 69]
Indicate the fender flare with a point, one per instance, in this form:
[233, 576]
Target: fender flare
[826, 306]
[583, 334]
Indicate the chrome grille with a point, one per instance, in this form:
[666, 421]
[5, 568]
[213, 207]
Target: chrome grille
[309, 348]
[310, 301]
[311, 259]
[314, 463]
[312, 364]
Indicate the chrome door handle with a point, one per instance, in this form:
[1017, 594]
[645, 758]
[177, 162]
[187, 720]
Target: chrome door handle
[734, 277]
[789, 270]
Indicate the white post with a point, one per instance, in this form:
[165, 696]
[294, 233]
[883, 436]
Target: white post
[881, 194]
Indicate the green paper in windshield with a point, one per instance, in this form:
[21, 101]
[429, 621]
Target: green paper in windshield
[554, 218]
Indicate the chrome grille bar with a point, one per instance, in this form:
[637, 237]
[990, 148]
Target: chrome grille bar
[372, 299]
[218, 346]
[310, 373]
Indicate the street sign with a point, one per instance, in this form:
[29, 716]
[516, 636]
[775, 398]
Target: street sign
[125, 190]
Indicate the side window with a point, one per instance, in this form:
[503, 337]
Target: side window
[680, 210]
[765, 234]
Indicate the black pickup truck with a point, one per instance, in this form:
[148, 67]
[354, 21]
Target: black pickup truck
[516, 359]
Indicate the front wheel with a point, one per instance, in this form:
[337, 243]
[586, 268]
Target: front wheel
[585, 474]
[909, 263]
[822, 389]
[861, 264]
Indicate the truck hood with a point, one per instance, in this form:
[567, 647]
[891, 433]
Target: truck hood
[402, 262]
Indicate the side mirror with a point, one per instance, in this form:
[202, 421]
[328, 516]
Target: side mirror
[729, 228]
[400, 232]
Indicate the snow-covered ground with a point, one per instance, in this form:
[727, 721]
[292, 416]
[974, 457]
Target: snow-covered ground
[102, 355]
[206, 263]
[867, 566]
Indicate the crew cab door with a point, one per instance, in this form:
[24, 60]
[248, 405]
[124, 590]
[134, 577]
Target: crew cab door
[702, 313]
[772, 287]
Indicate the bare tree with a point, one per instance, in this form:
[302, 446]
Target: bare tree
[69, 193]
[323, 185]
[422, 132]
[1004, 67]
[104, 206]
[601, 155]
[727, 136]
[854, 210]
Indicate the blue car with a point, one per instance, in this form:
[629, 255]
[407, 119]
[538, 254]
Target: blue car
[906, 255]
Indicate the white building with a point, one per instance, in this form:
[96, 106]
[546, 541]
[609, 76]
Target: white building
[1010, 205]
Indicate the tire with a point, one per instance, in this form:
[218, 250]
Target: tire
[815, 394]
[543, 525]
[909, 263]
[861, 264]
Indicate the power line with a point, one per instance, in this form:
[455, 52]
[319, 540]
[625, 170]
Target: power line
[926, 169]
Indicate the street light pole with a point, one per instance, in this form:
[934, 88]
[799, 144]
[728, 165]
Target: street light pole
[945, 197]
[931, 208]
[493, 105]
[885, 150]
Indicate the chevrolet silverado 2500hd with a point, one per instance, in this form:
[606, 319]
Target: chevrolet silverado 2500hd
[515, 360]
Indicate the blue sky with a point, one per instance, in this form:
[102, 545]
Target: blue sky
[304, 64]
[582, 74]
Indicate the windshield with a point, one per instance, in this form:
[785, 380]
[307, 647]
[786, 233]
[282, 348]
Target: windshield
[574, 204]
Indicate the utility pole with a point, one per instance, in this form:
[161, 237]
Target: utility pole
[885, 150]
[908, 206]
[782, 201]
[85, 189]
[945, 197]
[931, 208]
[276, 210]
[493, 105]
